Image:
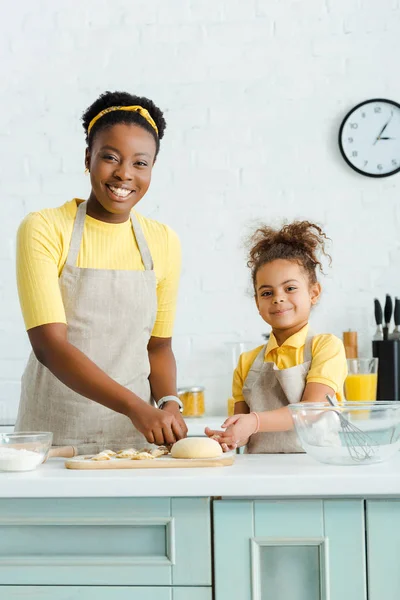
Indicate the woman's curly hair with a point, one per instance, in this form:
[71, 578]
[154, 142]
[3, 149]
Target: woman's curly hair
[109, 99]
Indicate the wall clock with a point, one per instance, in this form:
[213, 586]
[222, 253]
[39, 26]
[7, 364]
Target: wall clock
[369, 138]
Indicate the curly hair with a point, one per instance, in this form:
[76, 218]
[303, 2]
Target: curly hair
[109, 99]
[300, 241]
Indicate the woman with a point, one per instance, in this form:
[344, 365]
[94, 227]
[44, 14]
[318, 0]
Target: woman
[99, 312]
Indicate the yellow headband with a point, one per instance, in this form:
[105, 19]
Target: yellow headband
[142, 111]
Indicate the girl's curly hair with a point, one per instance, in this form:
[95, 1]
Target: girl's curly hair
[300, 241]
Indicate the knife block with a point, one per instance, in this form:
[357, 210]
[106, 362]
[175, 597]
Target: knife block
[388, 353]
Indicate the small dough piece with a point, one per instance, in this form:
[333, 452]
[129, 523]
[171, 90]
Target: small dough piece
[157, 452]
[101, 456]
[110, 452]
[128, 453]
[142, 456]
[196, 447]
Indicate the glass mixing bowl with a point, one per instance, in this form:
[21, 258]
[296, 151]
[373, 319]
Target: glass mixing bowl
[23, 451]
[353, 433]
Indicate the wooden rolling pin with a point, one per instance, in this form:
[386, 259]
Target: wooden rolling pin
[62, 452]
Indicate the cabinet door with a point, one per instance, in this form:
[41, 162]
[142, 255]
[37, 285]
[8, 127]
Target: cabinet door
[197, 593]
[302, 550]
[103, 593]
[383, 549]
[83, 593]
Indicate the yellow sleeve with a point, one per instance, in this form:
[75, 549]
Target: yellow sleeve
[38, 255]
[167, 288]
[328, 363]
[240, 373]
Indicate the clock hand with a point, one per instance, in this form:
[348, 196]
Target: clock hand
[387, 138]
[383, 129]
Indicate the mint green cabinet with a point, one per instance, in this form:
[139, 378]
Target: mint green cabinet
[106, 542]
[383, 548]
[83, 593]
[102, 593]
[161, 549]
[297, 549]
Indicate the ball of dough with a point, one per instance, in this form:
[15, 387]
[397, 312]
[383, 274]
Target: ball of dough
[196, 447]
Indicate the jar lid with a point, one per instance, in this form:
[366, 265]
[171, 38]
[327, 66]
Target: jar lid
[197, 388]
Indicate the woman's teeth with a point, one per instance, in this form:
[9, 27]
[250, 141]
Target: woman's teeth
[120, 192]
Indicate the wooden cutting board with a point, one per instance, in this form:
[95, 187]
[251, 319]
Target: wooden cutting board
[164, 462]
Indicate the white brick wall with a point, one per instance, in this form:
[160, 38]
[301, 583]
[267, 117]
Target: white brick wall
[254, 92]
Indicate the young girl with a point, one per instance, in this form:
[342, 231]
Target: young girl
[295, 365]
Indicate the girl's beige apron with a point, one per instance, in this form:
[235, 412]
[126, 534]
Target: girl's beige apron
[266, 388]
[110, 317]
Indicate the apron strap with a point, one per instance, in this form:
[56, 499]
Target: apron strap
[142, 244]
[259, 360]
[77, 234]
[254, 370]
[308, 347]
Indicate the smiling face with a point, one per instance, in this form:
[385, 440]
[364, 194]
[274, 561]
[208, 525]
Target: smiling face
[284, 295]
[120, 162]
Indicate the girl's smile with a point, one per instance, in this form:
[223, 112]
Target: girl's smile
[281, 312]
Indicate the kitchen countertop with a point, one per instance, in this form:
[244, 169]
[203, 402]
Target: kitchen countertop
[196, 426]
[268, 476]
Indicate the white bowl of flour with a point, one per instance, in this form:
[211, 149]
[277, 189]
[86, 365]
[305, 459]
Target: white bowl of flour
[23, 451]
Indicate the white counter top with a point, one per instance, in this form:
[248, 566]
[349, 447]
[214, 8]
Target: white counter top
[195, 426]
[268, 476]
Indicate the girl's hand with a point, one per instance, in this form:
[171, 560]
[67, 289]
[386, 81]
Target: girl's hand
[238, 429]
[218, 437]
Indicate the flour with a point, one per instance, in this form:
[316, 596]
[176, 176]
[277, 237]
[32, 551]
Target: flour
[325, 431]
[12, 459]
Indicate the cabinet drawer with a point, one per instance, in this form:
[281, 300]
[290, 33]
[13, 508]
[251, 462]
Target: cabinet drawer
[101, 541]
[80, 593]
[102, 593]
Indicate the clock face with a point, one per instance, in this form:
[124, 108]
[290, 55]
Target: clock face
[369, 138]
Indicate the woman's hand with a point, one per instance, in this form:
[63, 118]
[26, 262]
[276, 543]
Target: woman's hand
[161, 427]
[173, 408]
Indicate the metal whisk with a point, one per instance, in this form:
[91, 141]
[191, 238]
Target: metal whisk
[359, 445]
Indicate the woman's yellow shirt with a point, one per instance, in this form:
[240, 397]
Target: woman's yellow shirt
[42, 247]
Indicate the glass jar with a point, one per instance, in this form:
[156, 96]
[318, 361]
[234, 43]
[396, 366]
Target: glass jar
[231, 406]
[193, 401]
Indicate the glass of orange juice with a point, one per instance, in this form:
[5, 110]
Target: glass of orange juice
[361, 381]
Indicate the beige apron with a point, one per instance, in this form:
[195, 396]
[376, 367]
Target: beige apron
[110, 316]
[266, 388]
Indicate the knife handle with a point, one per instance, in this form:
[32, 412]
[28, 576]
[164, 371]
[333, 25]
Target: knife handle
[378, 312]
[388, 309]
[397, 311]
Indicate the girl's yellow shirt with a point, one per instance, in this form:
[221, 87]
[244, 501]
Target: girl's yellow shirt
[328, 365]
[42, 247]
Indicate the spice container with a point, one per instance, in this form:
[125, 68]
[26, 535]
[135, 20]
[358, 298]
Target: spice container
[350, 343]
[231, 406]
[193, 401]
